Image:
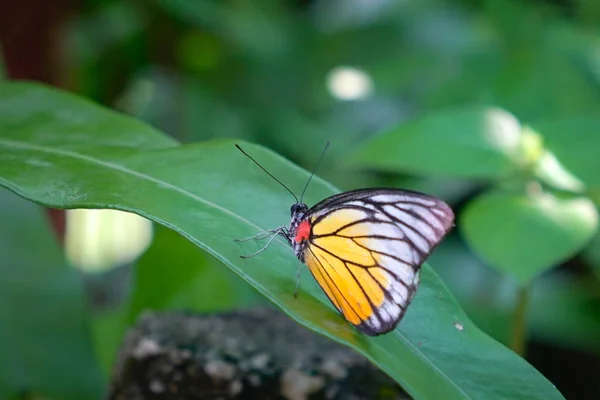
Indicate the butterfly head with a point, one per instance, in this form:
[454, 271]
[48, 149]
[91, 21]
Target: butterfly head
[298, 209]
[297, 212]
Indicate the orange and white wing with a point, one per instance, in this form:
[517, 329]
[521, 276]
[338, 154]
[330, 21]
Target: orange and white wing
[366, 249]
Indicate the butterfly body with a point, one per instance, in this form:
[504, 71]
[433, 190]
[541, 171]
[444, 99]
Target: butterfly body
[365, 248]
[298, 233]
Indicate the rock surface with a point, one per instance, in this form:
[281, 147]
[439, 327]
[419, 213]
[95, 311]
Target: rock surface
[253, 354]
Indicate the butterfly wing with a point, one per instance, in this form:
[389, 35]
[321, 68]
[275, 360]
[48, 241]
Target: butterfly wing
[366, 248]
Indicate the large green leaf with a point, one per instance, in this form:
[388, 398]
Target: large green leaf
[212, 195]
[45, 345]
[472, 143]
[523, 235]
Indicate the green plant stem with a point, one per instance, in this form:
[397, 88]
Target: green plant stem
[519, 327]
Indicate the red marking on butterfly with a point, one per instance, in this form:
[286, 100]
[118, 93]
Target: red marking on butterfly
[303, 231]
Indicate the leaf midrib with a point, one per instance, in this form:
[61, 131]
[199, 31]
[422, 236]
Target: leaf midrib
[44, 149]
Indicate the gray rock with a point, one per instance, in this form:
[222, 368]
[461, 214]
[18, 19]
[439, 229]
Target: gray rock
[253, 354]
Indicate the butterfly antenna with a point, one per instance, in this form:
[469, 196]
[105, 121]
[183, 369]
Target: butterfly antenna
[313, 171]
[268, 173]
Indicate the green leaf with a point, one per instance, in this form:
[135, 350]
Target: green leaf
[211, 194]
[575, 143]
[524, 235]
[467, 143]
[45, 345]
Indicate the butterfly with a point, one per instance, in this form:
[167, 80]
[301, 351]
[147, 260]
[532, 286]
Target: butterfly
[365, 248]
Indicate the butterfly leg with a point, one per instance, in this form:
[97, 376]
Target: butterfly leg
[297, 282]
[274, 234]
[260, 235]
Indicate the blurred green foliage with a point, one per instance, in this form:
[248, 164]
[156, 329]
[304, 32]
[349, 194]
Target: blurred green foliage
[260, 71]
[44, 324]
[475, 143]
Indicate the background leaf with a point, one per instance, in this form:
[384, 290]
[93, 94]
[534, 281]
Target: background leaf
[474, 142]
[43, 328]
[575, 143]
[211, 194]
[524, 235]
